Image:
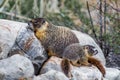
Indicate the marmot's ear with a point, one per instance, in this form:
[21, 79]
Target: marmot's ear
[65, 65]
[48, 24]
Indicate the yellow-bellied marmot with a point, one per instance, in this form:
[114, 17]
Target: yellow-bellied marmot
[79, 56]
[55, 39]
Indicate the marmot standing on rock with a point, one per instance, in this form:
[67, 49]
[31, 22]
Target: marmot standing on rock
[55, 39]
[79, 56]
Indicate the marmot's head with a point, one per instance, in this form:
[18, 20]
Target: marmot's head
[37, 23]
[90, 49]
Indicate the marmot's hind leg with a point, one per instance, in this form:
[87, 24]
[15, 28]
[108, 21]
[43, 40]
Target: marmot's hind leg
[65, 65]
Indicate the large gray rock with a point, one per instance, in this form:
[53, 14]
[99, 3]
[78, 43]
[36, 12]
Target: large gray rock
[28, 45]
[16, 67]
[85, 39]
[15, 38]
[8, 34]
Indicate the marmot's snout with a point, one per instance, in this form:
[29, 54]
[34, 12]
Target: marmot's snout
[30, 26]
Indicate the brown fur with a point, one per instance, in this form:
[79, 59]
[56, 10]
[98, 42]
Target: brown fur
[54, 39]
[65, 65]
[97, 63]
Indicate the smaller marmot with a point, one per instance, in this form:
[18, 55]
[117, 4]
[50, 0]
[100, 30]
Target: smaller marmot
[79, 56]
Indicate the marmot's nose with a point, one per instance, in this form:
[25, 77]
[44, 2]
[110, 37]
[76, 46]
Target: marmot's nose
[30, 26]
[29, 23]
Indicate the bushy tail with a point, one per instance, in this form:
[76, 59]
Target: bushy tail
[65, 65]
[97, 63]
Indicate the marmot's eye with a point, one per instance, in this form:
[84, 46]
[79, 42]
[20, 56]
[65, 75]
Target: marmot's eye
[35, 22]
[87, 47]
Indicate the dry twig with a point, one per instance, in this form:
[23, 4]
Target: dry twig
[91, 22]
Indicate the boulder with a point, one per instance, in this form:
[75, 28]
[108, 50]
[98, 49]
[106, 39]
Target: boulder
[15, 38]
[78, 73]
[16, 67]
[8, 34]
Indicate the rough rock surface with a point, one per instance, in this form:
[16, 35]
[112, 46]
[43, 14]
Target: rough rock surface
[15, 38]
[8, 34]
[81, 73]
[78, 73]
[16, 67]
[51, 75]
[85, 39]
[112, 74]
[28, 45]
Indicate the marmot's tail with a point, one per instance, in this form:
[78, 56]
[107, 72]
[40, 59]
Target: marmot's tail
[97, 63]
[65, 65]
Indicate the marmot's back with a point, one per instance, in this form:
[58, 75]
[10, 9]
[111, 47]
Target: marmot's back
[74, 52]
[60, 39]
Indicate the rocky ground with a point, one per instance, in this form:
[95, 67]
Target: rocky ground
[22, 56]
